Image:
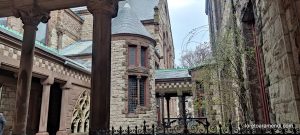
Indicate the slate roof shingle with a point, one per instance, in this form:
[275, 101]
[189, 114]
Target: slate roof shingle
[144, 9]
[172, 74]
[127, 22]
[80, 47]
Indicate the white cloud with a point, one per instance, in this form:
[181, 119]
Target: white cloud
[175, 4]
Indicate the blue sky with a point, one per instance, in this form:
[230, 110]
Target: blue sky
[187, 15]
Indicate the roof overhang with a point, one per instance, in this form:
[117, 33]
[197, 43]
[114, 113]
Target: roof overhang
[136, 35]
[174, 87]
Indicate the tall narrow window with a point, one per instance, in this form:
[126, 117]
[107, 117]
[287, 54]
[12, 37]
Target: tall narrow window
[142, 91]
[143, 56]
[41, 34]
[132, 94]
[136, 92]
[132, 55]
[3, 21]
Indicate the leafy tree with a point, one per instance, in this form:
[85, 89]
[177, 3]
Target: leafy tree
[225, 80]
[192, 58]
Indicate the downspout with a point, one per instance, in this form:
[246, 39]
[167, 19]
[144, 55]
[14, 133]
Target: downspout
[265, 110]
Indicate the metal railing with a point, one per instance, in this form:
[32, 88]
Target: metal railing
[199, 126]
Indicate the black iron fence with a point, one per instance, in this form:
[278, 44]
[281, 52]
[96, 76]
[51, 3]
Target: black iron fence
[196, 126]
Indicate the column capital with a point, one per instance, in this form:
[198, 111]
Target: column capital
[47, 81]
[109, 7]
[32, 16]
[60, 31]
[162, 95]
[67, 86]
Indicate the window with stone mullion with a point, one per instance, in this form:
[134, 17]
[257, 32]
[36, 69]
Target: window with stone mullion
[137, 56]
[136, 92]
[142, 91]
[132, 94]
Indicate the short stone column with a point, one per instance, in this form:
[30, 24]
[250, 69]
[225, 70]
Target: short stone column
[30, 18]
[60, 34]
[103, 11]
[168, 109]
[162, 104]
[45, 106]
[183, 113]
[64, 108]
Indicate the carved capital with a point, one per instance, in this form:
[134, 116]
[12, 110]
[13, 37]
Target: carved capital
[32, 16]
[60, 31]
[109, 7]
[48, 81]
[67, 86]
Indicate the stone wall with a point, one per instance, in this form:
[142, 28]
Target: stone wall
[163, 35]
[87, 27]
[276, 34]
[7, 105]
[119, 82]
[207, 93]
[64, 21]
[280, 52]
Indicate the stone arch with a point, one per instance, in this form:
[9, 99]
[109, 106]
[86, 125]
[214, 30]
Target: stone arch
[81, 113]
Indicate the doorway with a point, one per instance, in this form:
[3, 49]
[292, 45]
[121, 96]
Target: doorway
[54, 109]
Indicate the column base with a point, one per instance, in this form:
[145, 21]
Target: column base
[42, 133]
[61, 133]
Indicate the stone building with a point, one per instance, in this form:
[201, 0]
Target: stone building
[60, 91]
[206, 96]
[271, 29]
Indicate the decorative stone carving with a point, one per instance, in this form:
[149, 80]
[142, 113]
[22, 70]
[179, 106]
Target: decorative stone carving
[33, 16]
[81, 113]
[109, 7]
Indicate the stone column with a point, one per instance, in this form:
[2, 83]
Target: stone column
[102, 11]
[138, 91]
[139, 56]
[30, 18]
[184, 113]
[162, 108]
[168, 109]
[180, 106]
[59, 39]
[64, 109]
[45, 106]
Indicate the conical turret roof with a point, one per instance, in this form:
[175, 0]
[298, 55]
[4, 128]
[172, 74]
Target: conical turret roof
[127, 22]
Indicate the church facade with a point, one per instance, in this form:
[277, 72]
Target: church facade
[60, 93]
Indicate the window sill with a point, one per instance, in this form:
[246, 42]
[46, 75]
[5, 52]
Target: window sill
[139, 110]
[132, 115]
[135, 69]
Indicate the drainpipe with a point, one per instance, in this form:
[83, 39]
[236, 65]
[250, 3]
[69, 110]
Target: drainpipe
[261, 73]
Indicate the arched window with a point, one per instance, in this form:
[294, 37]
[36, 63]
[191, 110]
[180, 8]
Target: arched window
[81, 112]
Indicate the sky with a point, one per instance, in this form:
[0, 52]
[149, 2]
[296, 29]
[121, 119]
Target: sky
[185, 16]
